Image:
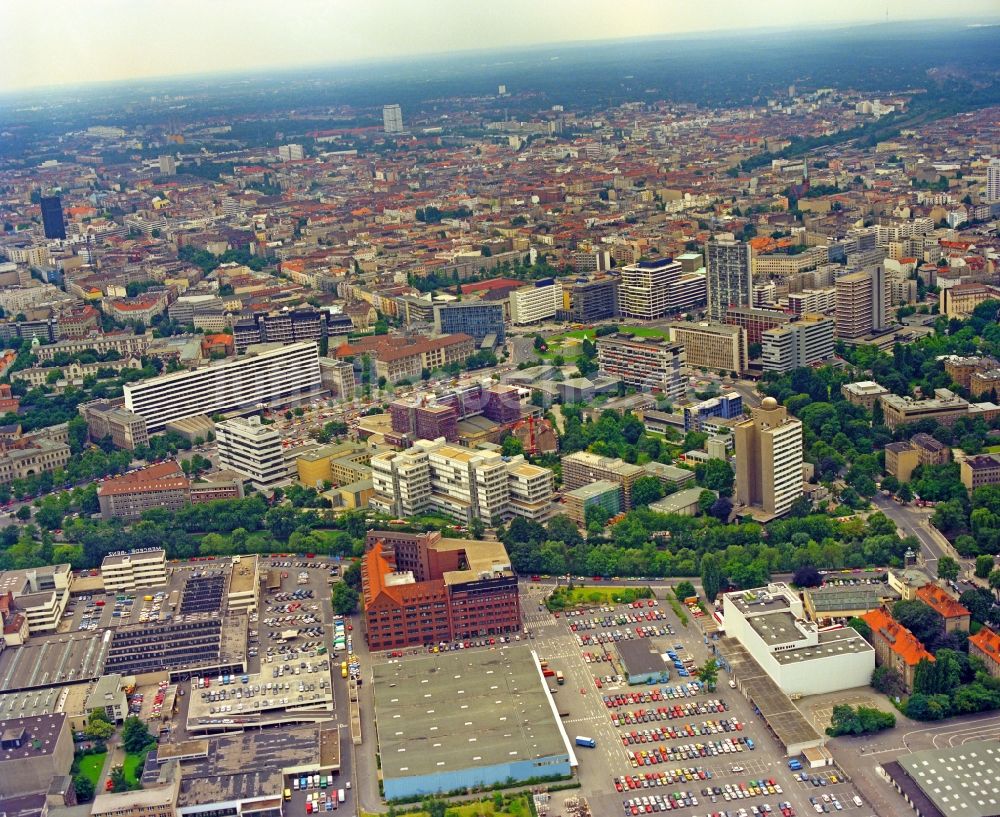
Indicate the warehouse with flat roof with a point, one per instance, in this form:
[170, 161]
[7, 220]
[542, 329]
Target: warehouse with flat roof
[466, 719]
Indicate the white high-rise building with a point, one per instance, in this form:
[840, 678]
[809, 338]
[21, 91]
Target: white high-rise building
[291, 153]
[392, 119]
[269, 375]
[798, 344]
[654, 289]
[769, 459]
[168, 165]
[535, 303]
[728, 264]
[139, 568]
[249, 447]
[993, 181]
[461, 482]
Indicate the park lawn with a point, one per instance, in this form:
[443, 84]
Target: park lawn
[517, 807]
[133, 766]
[646, 331]
[597, 595]
[91, 765]
[992, 449]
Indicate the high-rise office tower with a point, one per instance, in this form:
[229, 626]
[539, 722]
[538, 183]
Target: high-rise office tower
[392, 119]
[52, 217]
[854, 305]
[728, 265]
[769, 459]
[993, 181]
[654, 289]
[168, 165]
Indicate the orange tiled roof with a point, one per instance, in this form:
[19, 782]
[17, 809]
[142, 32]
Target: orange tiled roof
[901, 641]
[938, 600]
[988, 641]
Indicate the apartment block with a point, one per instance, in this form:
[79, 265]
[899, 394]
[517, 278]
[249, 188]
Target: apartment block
[477, 319]
[983, 469]
[960, 300]
[269, 375]
[532, 304]
[655, 289]
[337, 376]
[769, 459]
[162, 485]
[419, 589]
[709, 345]
[583, 468]
[338, 463]
[460, 482]
[252, 449]
[127, 571]
[586, 300]
[902, 458]
[289, 326]
[955, 616]
[813, 300]
[854, 305]
[945, 407]
[803, 343]
[405, 357]
[654, 364]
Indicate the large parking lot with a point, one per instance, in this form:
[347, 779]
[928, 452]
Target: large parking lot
[672, 746]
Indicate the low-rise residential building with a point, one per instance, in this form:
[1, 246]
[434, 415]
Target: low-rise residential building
[162, 485]
[895, 646]
[985, 645]
[982, 469]
[654, 364]
[955, 616]
[126, 572]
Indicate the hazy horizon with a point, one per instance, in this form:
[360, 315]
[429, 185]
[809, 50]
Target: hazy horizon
[112, 41]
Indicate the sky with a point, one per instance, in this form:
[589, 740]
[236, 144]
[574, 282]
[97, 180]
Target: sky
[68, 42]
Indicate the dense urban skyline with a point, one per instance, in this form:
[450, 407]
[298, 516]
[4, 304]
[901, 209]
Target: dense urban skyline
[153, 40]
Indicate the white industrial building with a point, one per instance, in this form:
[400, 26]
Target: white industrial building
[799, 657]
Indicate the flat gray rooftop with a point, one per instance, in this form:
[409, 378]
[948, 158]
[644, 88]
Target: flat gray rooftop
[54, 660]
[849, 597]
[831, 642]
[963, 781]
[751, 605]
[776, 628]
[462, 710]
[639, 657]
[788, 723]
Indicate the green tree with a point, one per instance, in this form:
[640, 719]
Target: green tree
[864, 720]
[708, 673]
[84, 788]
[994, 580]
[344, 599]
[646, 490]
[98, 726]
[984, 565]
[716, 475]
[135, 735]
[118, 781]
[712, 576]
[511, 446]
[861, 626]
[947, 568]
[477, 528]
[684, 590]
